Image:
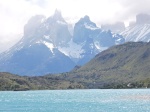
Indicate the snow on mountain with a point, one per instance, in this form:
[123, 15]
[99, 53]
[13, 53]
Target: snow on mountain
[91, 27]
[73, 50]
[92, 39]
[137, 33]
[100, 48]
[48, 47]
[139, 30]
[37, 53]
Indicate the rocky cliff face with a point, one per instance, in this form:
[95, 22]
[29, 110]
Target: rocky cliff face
[92, 39]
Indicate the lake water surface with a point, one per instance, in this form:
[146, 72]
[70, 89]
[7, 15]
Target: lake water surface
[102, 100]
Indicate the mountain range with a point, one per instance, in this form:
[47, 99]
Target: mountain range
[87, 58]
[47, 46]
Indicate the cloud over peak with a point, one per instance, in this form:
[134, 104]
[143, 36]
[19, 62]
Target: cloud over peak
[14, 14]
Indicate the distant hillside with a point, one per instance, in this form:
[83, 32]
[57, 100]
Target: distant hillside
[121, 66]
[19, 83]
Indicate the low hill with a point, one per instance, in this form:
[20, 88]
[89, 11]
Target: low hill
[120, 65]
[19, 83]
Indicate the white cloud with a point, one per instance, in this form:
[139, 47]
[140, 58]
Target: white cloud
[15, 13]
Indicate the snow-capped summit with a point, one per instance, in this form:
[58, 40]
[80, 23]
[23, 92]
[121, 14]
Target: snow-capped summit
[33, 24]
[57, 15]
[86, 20]
[56, 18]
[139, 31]
[84, 29]
[56, 29]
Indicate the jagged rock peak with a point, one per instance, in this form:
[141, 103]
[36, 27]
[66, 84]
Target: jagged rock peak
[57, 12]
[37, 18]
[86, 19]
[33, 23]
[57, 15]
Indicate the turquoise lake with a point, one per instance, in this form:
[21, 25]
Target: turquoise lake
[102, 100]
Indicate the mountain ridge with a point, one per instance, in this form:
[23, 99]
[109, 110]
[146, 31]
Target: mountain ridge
[47, 44]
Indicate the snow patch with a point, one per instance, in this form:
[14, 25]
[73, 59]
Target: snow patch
[100, 48]
[43, 20]
[38, 42]
[50, 46]
[46, 36]
[73, 50]
[91, 45]
[117, 42]
[61, 22]
[90, 27]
